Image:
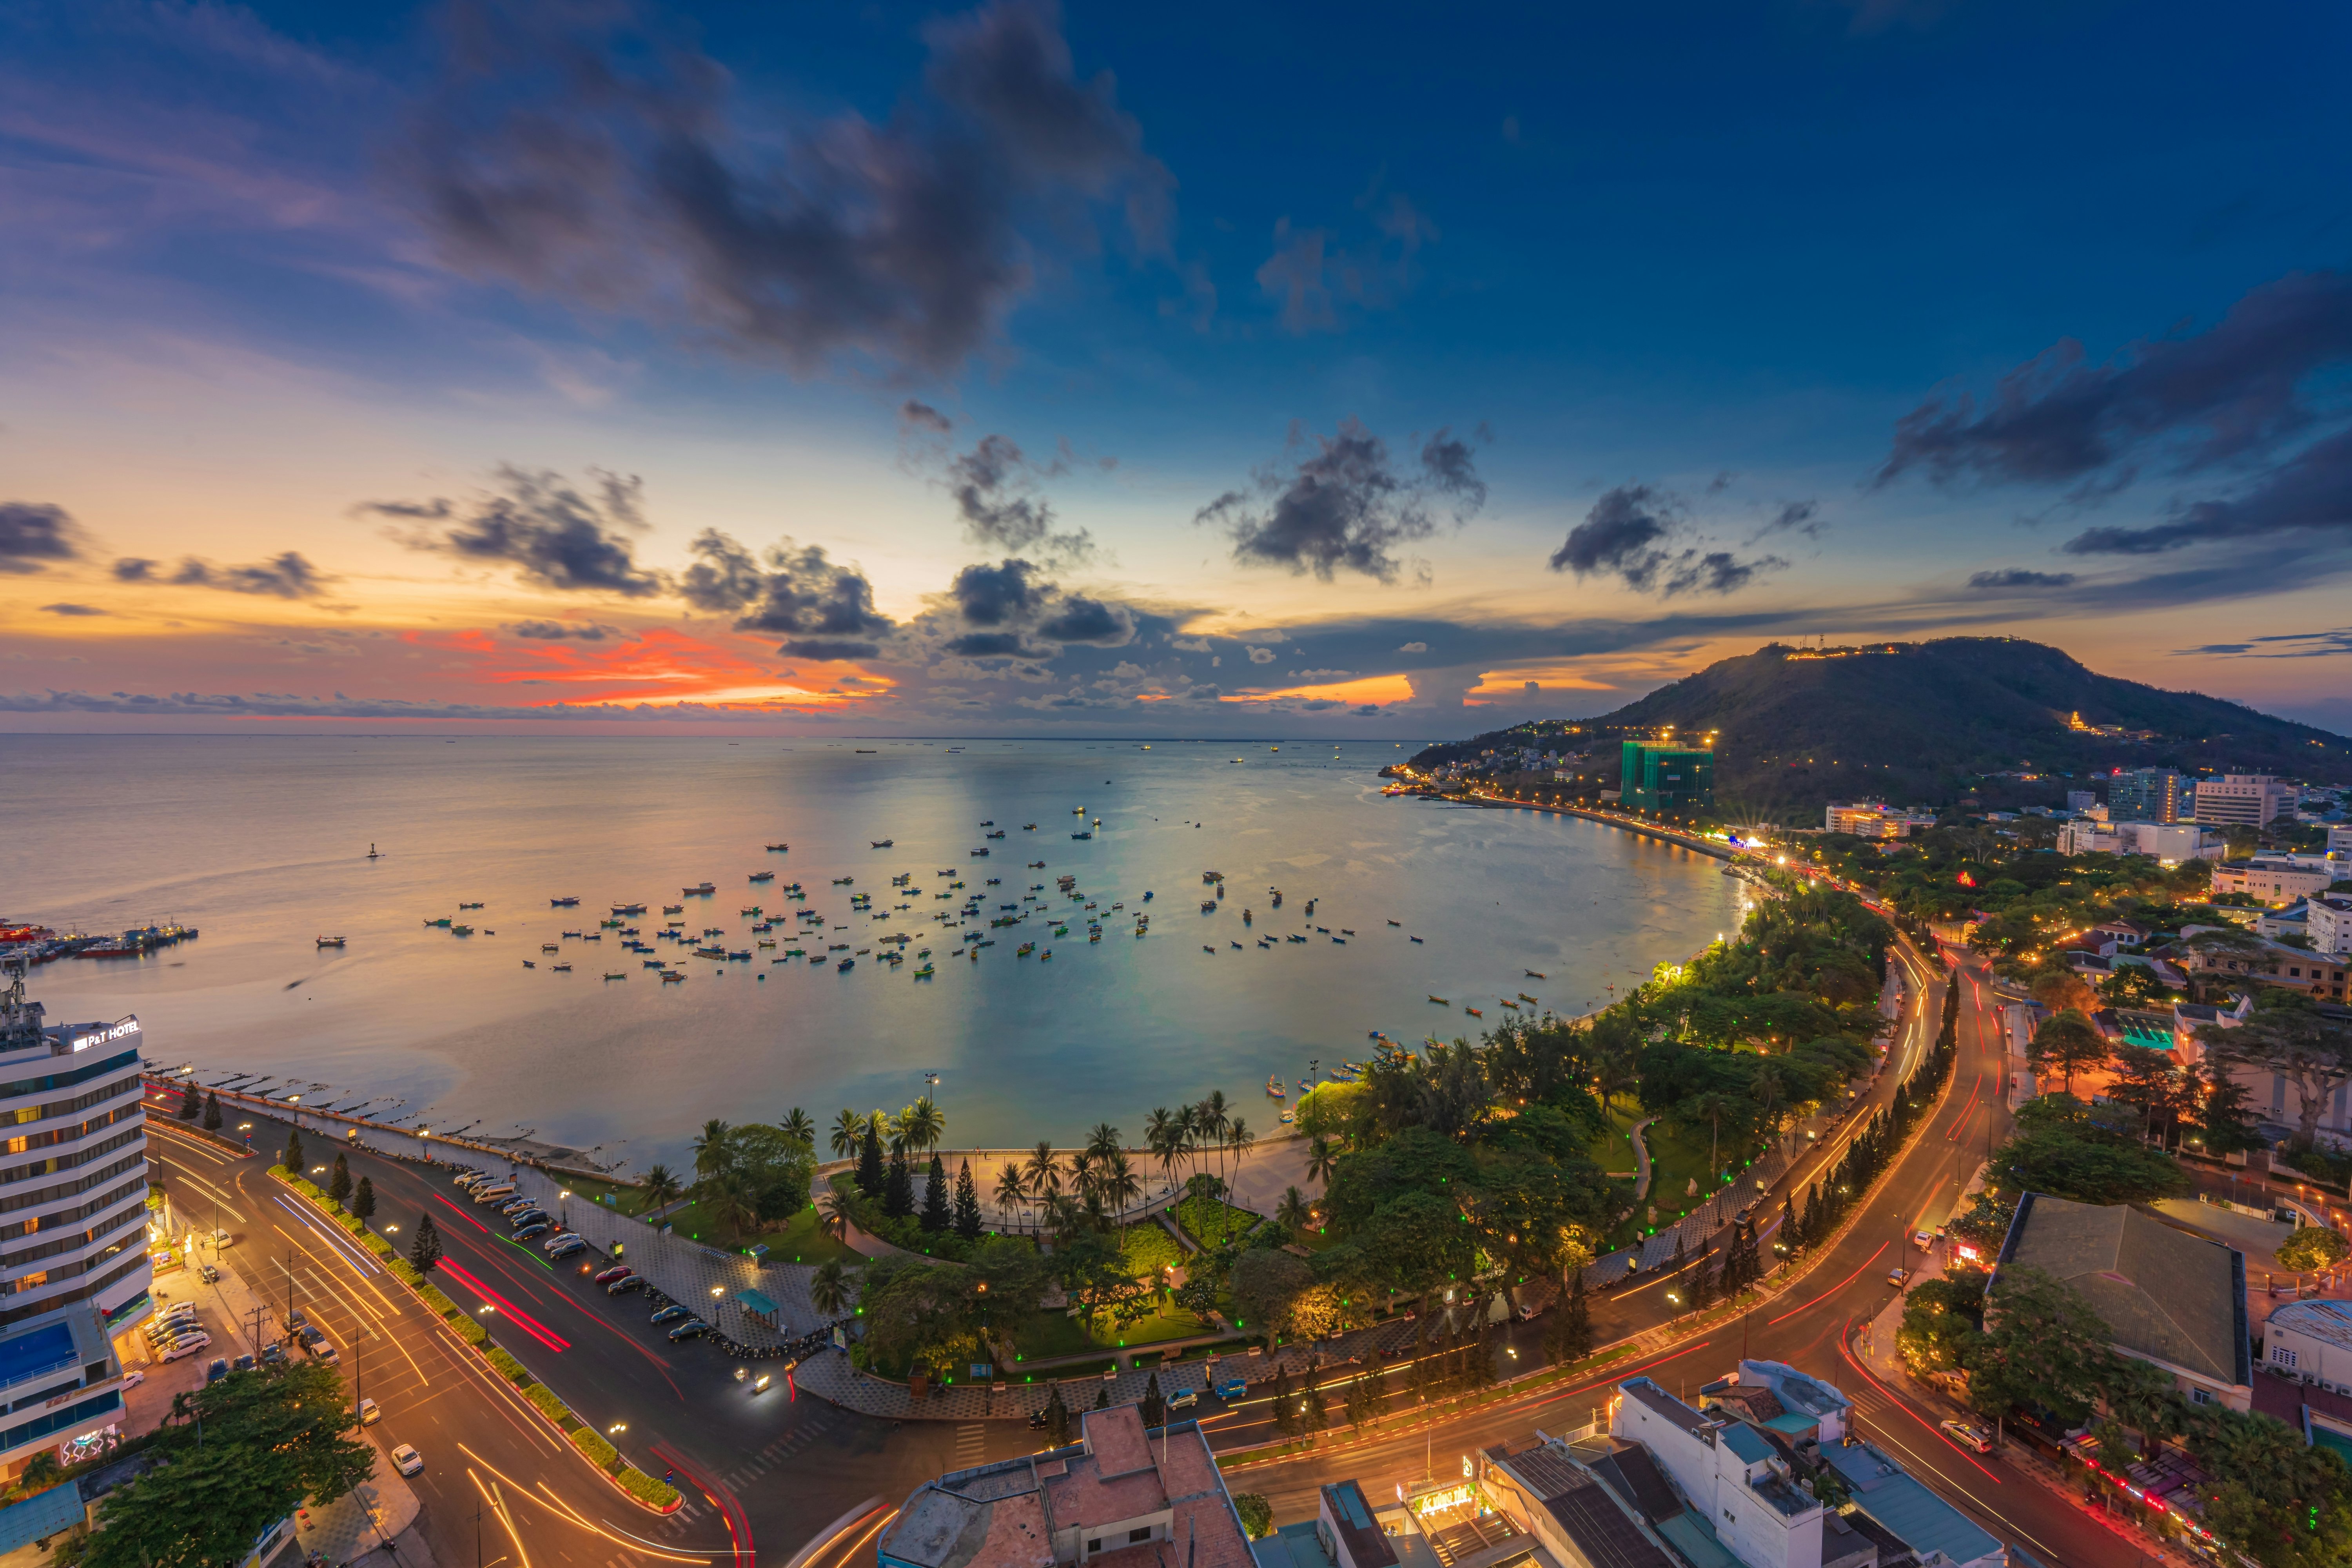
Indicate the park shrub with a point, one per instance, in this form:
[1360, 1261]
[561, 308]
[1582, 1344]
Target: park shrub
[511, 1369]
[435, 1300]
[645, 1489]
[552, 1408]
[469, 1329]
[601, 1453]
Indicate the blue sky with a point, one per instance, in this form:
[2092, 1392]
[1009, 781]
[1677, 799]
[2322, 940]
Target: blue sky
[1520, 359]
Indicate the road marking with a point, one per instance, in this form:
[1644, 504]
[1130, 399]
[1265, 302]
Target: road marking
[208, 1189]
[1831, 1291]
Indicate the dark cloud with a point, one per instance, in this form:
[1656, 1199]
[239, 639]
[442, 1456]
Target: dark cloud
[285, 576]
[998, 595]
[33, 533]
[1083, 620]
[798, 591]
[72, 610]
[1794, 517]
[1345, 505]
[2283, 645]
[995, 489]
[919, 415]
[557, 631]
[537, 523]
[1626, 535]
[574, 154]
[2231, 392]
[2017, 577]
[2310, 490]
[824, 650]
[995, 645]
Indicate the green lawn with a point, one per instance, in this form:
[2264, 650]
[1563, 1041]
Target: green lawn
[1147, 1247]
[797, 1240]
[1213, 1223]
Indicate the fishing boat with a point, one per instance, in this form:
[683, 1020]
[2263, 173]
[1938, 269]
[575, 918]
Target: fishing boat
[983, 851]
[749, 909]
[562, 969]
[671, 977]
[778, 848]
[843, 881]
[1082, 836]
[1533, 976]
[998, 834]
[1525, 997]
[656, 963]
[443, 922]
[764, 876]
[527, 964]
[549, 947]
[1416, 939]
[1274, 1087]
[474, 906]
[1474, 1012]
[1440, 1001]
[461, 931]
[616, 975]
[1507, 1001]
[1306, 1086]
[331, 941]
[700, 889]
[563, 903]
[845, 966]
[673, 908]
[1396, 923]
[881, 843]
[1288, 1118]
[925, 973]
[1028, 828]
[1025, 950]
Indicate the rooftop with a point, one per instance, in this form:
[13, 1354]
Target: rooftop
[2329, 1321]
[1924, 1522]
[2164, 1294]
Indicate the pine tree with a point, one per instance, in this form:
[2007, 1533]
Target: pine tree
[1102, 1398]
[189, 1103]
[898, 1188]
[293, 1156]
[1285, 1408]
[1314, 1412]
[363, 1199]
[1367, 1398]
[424, 1247]
[1152, 1407]
[1792, 1233]
[967, 1204]
[870, 1178]
[1704, 1282]
[1057, 1420]
[935, 1197]
[212, 1113]
[339, 1185]
[1567, 1337]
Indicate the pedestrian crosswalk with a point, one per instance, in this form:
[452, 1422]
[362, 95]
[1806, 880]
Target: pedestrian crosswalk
[971, 1446]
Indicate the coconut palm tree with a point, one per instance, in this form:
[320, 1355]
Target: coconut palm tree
[1322, 1159]
[1117, 1182]
[797, 1126]
[731, 1201]
[1292, 1213]
[1213, 1126]
[1160, 1138]
[848, 1132]
[1770, 1090]
[921, 1125]
[1186, 1127]
[1044, 1173]
[1711, 1108]
[828, 1289]
[661, 1189]
[1010, 1190]
[1103, 1142]
[836, 1212]
[1237, 1135]
[710, 1148]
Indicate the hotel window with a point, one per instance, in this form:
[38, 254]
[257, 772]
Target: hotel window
[2282, 1355]
[1135, 1535]
[18, 1145]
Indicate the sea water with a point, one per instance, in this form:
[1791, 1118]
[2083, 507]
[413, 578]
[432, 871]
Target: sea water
[261, 842]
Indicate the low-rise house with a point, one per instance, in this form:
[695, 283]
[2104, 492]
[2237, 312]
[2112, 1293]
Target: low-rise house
[2275, 882]
[1116, 1497]
[2172, 1299]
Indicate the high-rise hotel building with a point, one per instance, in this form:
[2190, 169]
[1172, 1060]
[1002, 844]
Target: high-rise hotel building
[73, 1268]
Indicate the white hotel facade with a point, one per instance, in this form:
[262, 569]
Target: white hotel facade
[74, 1266]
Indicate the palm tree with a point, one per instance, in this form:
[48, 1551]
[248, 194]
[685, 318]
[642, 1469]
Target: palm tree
[922, 1125]
[828, 1289]
[1118, 1182]
[1010, 1190]
[1770, 1090]
[1086, 1174]
[1213, 1125]
[661, 1189]
[1044, 1173]
[1322, 1159]
[1614, 1075]
[1160, 1137]
[1292, 1213]
[796, 1125]
[1237, 1135]
[891, 1130]
[731, 1201]
[710, 1148]
[1103, 1142]
[836, 1212]
[848, 1132]
[1184, 1128]
[1710, 1107]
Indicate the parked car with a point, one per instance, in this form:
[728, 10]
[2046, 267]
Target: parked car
[208, 1273]
[625, 1284]
[533, 1232]
[618, 1270]
[672, 1313]
[134, 1379]
[693, 1328]
[248, 1362]
[370, 1412]
[1922, 1239]
[527, 1217]
[217, 1369]
[186, 1347]
[567, 1245]
[1896, 1277]
[311, 1337]
[1184, 1399]
[1969, 1436]
[326, 1356]
[1230, 1388]
[408, 1460]
[273, 1355]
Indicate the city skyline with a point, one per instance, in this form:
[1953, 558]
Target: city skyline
[1026, 370]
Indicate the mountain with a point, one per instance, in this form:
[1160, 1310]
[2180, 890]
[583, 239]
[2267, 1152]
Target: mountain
[1932, 722]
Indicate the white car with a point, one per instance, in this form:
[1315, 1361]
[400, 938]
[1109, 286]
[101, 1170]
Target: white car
[370, 1412]
[187, 1347]
[408, 1460]
[1922, 1239]
[134, 1379]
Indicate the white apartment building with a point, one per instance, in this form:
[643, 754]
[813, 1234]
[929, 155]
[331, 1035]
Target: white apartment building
[2275, 882]
[74, 1269]
[1875, 819]
[2168, 842]
[2244, 799]
[2328, 923]
[1733, 1477]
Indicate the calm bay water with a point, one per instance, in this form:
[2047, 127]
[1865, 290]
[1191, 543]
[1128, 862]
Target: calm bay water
[261, 842]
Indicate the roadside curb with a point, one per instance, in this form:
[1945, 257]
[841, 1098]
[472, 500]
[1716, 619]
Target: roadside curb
[677, 1501]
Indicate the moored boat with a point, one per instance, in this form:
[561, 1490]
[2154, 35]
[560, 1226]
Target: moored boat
[699, 889]
[331, 941]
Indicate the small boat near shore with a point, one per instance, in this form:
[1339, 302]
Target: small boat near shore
[1273, 1088]
[764, 876]
[563, 903]
[331, 941]
[1440, 1001]
[881, 843]
[673, 908]
[778, 848]
[628, 909]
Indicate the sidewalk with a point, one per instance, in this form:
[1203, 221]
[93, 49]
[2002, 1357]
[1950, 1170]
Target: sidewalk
[378, 1510]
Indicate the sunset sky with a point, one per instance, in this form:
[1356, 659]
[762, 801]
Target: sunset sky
[1359, 372]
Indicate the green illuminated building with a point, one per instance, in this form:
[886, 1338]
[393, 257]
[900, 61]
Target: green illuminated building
[1667, 778]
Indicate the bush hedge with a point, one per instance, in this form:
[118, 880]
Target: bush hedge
[511, 1369]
